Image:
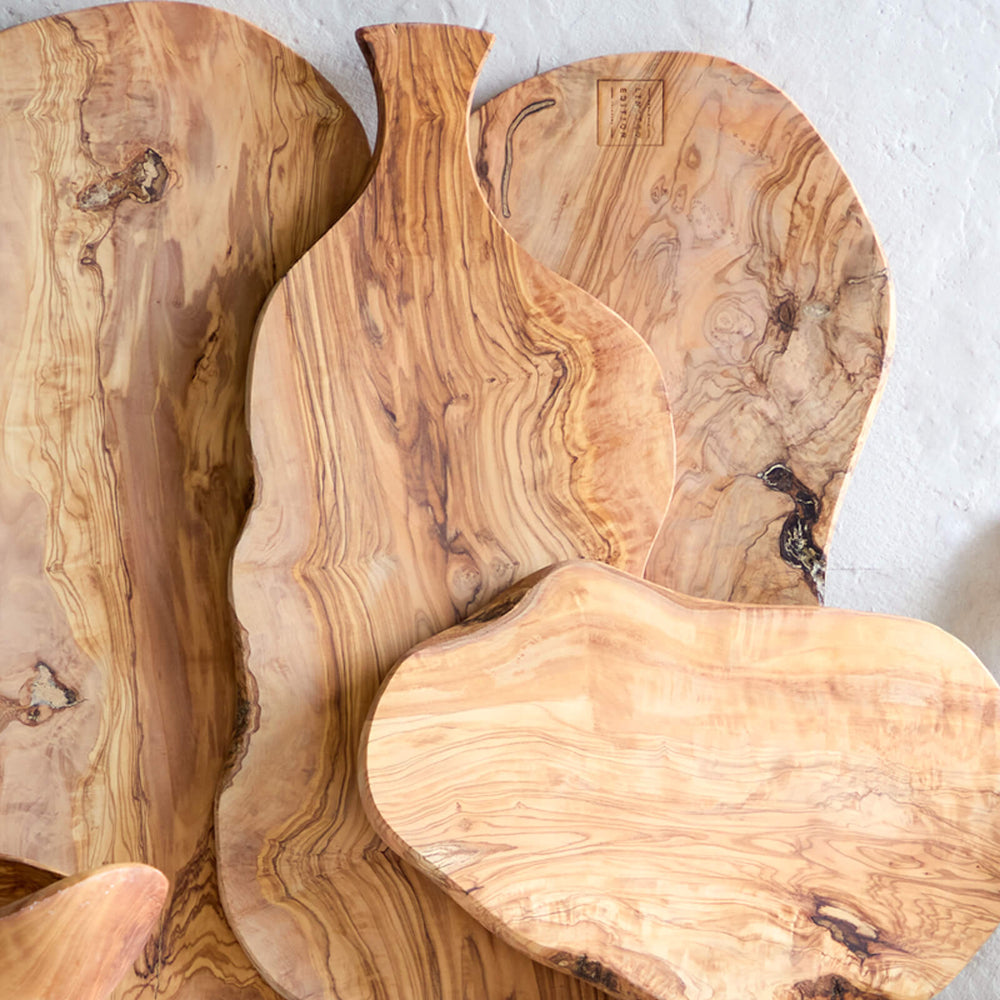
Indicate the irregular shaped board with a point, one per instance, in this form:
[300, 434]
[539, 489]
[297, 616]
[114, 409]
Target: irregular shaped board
[697, 201]
[161, 166]
[75, 939]
[433, 416]
[682, 798]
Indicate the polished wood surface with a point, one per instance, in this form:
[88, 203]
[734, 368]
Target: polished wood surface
[696, 200]
[684, 799]
[77, 938]
[433, 415]
[161, 166]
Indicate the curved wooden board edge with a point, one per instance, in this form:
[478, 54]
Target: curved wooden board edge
[699, 202]
[76, 938]
[892, 868]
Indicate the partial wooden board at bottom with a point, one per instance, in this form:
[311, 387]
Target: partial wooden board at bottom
[161, 166]
[685, 799]
[75, 939]
[697, 201]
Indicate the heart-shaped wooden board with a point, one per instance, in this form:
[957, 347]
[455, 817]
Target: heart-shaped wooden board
[433, 416]
[679, 798]
[161, 166]
[75, 939]
[696, 200]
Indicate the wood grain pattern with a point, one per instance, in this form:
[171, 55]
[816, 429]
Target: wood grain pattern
[683, 799]
[76, 939]
[19, 879]
[161, 166]
[697, 201]
[433, 415]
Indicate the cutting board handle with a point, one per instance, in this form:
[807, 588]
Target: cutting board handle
[424, 76]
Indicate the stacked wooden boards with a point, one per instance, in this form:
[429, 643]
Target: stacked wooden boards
[680, 798]
[161, 166]
[500, 365]
[696, 200]
[433, 416]
[76, 939]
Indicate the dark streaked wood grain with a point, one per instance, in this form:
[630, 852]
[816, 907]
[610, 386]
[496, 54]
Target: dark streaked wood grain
[685, 799]
[161, 166]
[19, 879]
[697, 200]
[433, 416]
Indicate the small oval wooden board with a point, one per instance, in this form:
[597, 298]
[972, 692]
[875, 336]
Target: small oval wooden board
[696, 200]
[161, 166]
[76, 939]
[677, 798]
[433, 416]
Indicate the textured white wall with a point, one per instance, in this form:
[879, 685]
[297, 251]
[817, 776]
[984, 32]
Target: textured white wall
[907, 94]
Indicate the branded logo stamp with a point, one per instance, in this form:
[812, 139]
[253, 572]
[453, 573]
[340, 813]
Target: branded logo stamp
[630, 112]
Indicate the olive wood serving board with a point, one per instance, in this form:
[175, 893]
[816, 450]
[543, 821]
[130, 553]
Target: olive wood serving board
[683, 798]
[76, 939]
[433, 416]
[696, 200]
[161, 166]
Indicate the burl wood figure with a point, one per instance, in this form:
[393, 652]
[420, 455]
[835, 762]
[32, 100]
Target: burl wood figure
[161, 166]
[697, 201]
[433, 416]
[685, 800]
[76, 939]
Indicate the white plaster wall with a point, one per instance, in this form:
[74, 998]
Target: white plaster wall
[907, 94]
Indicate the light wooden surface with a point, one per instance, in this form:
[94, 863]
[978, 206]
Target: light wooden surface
[696, 200]
[678, 798]
[77, 938]
[433, 415]
[161, 166]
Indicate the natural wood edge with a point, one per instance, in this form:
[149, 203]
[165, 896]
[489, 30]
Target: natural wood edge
[515, 602]
[521, 601]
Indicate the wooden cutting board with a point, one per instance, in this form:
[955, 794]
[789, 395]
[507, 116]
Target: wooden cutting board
[695, 199]
[161, 166]
[677, 798]
[433, 416]
[76, 939]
